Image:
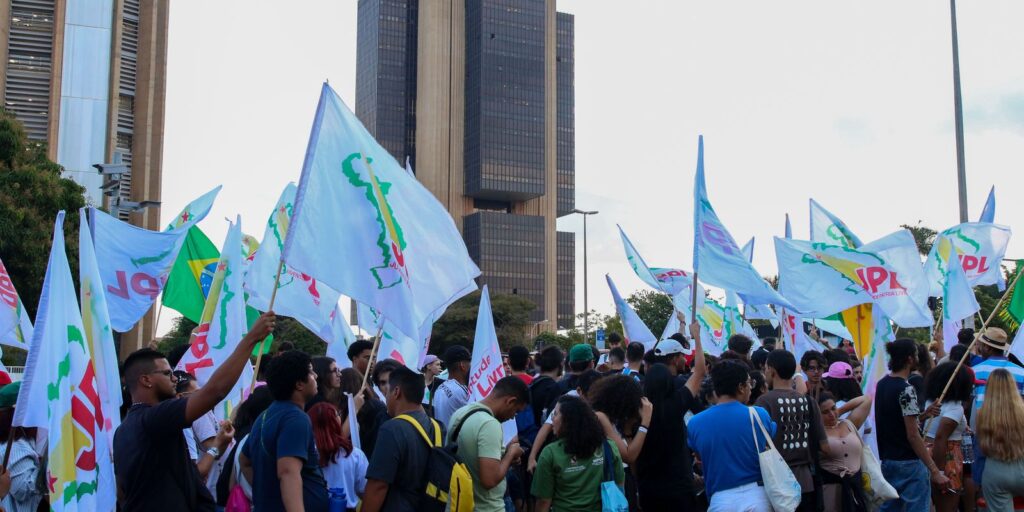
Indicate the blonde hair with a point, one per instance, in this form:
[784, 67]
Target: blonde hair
[1001, 418]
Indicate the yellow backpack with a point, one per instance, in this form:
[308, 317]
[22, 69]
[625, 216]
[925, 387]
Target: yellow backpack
[449, 484]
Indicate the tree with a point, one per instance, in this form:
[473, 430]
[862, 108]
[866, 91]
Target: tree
[546, 339]
[597, 321]
[32, 191]
[924, 237]
[653, 308]
[286, 329]
[457, 326]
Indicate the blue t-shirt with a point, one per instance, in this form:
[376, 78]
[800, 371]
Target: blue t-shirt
[284, 430]
[722, 437]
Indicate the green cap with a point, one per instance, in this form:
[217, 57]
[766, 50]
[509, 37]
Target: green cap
[9, 394]
[580, 352]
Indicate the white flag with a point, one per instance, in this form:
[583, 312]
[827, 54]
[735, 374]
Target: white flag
[402, 253]
[15, 325]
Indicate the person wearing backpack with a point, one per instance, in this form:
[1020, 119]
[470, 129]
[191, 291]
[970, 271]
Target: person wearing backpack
[476, 430]
[397, 476]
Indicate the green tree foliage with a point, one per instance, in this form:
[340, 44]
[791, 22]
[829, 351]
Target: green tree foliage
[287, 329]
[458, 324]
[32, 191]
[562, 341]
[653, 308]
[924, 236]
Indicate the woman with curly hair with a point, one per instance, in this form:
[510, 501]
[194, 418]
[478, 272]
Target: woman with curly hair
[1001, 434]
[622, 409]
[944, 433]
[570, 470]
[344, 466]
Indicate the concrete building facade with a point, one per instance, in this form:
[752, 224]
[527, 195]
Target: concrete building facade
[87, 78]
[478, 96]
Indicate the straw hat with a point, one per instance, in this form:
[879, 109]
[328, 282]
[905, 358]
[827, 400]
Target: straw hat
[995, 338]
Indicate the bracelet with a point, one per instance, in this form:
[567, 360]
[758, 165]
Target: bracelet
[214, 452]
[642, 429]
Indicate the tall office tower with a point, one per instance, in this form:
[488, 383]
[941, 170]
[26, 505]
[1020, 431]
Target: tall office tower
[87, 78]
[478, 96]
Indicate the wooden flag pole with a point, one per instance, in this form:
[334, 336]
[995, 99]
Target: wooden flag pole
[977, 336]
[373, 352]
[10, 442]
[270, 307]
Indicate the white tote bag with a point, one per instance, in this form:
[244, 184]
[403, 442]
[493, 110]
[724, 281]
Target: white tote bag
[875, 486]
[783, 490]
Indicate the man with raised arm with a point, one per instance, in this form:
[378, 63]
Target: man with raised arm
[151, 460]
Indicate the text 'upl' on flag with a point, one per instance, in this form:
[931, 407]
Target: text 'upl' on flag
[716, 257]
[947, 279]
[223, 323]
[135, 263]
[60, 383]
[403, 253]
[822, 279]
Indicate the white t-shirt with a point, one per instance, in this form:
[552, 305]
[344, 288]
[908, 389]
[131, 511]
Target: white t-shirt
[550, 421]
[348, 473]
[952, 410]
[449, 397]
[190, 440]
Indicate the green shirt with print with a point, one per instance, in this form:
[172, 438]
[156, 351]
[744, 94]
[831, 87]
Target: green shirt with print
[571, 484]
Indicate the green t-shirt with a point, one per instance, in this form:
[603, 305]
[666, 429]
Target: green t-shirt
[480, 436]
[570, 484]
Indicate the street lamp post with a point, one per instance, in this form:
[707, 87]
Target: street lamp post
[586, 308]
[958, 116]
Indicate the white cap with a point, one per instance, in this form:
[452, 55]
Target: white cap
[669, 346]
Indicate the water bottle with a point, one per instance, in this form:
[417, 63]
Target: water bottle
[967, 447]
[337, 501]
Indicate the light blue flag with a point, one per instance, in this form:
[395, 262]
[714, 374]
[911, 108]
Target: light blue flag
[947, 279]
[988, 213]
[721, 261]
[672, 281]
[753, 311]
[635, 328]
[134, 262]
[401, 252]
[822, 278]
[827, 228]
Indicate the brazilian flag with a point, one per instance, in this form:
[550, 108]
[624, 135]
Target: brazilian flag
[191, 276]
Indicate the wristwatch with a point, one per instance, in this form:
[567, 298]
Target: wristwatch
[214, 452]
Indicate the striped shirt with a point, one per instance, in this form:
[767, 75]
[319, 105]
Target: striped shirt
[982, 371]
[24, 467]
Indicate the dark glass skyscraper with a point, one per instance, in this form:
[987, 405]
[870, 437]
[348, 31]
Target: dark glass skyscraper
[478, 94]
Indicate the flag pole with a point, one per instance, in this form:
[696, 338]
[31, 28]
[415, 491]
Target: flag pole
[10, 441]
[977, 335]
[270, 307]
[693, 300]
[373, 351]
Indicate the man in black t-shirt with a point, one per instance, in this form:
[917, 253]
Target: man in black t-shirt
[906, 462]
[151, 459]
[396, 475]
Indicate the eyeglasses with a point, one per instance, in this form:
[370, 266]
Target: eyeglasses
[166, 373]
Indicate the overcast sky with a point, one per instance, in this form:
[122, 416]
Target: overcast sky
[849, 103]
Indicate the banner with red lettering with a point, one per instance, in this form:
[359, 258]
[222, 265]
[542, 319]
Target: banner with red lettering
[980, 246]
[223, 323]
[487, 367]
[135, 262]
[15, 325]
[823, 278]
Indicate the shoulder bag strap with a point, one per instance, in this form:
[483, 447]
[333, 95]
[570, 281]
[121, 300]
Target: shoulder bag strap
[419, 428]
[768, 438]
[458, 429]
[609, 468]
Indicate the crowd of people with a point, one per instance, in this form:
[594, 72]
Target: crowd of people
[664, 429]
